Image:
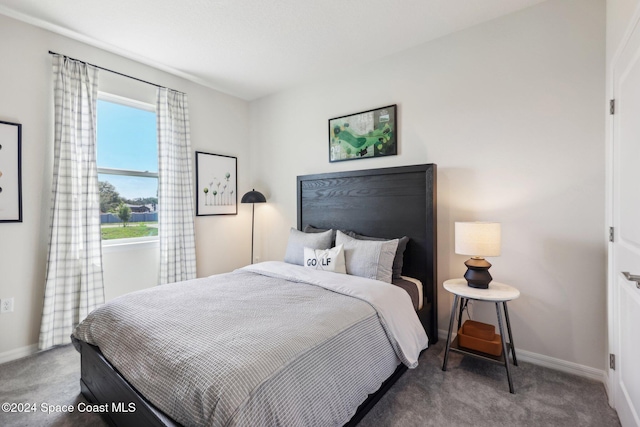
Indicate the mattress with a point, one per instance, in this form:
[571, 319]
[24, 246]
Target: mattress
[268, 345]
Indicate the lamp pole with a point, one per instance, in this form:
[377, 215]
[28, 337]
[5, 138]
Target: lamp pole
[253, 197]
[253, 210]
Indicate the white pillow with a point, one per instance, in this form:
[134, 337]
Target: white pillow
[325, 259]
[299, 240]
[368, 258]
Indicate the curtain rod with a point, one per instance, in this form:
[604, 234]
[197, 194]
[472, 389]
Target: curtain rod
[114, 72]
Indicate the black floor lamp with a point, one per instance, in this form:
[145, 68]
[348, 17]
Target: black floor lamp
[253, 197]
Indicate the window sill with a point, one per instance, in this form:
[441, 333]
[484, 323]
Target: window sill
[135, 244]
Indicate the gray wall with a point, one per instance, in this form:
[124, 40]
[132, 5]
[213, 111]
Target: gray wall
[512, 111]
[219, 124]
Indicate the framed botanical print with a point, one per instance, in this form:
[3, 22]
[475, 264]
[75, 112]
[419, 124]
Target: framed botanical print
[10, 172]
[216, 184]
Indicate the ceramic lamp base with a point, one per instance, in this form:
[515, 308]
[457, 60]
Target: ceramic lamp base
[477, 274]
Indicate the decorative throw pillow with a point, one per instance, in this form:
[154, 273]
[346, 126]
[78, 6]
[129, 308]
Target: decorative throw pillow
[299, 240]
[325, 259]
[398, 261]
[368, 258]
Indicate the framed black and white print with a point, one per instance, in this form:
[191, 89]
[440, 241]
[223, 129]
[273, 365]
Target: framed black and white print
[216, 184]
[363, 135]
[10, 172]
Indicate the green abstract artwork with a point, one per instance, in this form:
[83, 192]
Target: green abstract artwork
[371, 133]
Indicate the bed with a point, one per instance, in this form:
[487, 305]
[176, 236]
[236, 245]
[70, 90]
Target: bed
[385, 203]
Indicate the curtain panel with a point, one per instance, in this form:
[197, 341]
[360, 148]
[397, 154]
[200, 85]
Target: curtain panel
[74, 283]
[175, 189]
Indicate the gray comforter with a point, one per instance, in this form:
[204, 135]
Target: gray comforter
[246, 349]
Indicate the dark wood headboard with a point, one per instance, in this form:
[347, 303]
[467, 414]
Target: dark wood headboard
[390, 203]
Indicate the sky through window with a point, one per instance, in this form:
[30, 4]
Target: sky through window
[127, 140]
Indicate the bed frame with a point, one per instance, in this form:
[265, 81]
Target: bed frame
[390, 202]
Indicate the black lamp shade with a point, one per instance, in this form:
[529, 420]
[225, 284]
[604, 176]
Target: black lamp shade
[253, 196]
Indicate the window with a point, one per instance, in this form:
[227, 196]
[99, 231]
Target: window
[127, 157]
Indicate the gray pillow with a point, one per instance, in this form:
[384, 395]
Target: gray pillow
[311, 229]
[368, 258]
[299, 240]
[398, 261]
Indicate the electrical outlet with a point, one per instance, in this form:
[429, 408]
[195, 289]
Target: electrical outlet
[6, 305]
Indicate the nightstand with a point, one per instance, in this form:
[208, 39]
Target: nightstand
[498, 293]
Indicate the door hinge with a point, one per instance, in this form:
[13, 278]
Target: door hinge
[612, 106]
[612, 361]
[611, 234]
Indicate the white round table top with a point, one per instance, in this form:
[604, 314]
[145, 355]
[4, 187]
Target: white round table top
[497, 291]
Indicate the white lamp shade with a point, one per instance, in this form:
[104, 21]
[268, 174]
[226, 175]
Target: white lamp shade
[478, 239]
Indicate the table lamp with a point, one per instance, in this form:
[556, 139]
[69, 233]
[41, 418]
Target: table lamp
[253, 197]
[478, 239]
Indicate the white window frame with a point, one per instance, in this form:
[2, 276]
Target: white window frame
[114, 245]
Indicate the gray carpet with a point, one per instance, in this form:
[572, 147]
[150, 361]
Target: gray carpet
[51, 377]
[471, 393]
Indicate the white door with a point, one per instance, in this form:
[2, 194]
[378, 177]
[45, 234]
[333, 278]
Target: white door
[625, 250]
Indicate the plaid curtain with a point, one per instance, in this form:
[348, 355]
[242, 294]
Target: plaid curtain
[175, 189]
[74, 285]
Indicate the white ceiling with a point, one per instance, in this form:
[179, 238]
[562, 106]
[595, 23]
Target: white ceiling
[251, 48]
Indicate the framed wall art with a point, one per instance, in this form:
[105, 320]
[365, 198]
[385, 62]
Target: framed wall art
[216, 184]
[10, 172]
[363, 135]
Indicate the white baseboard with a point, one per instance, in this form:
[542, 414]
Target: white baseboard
[18, 353]
[553, 363]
